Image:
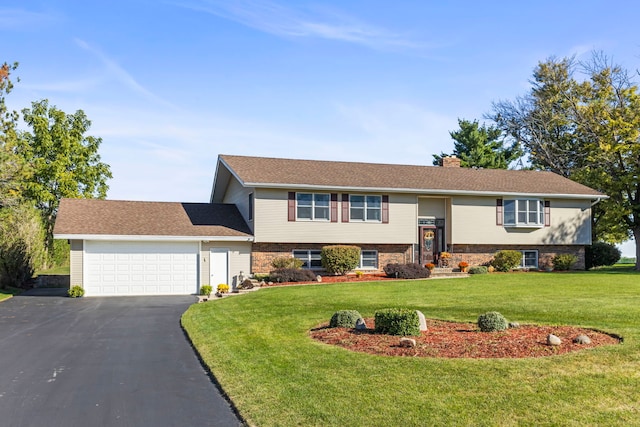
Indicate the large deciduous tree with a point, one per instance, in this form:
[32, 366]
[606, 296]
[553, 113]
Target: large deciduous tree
[480, 146]
[582, 120]
[64, 161]
[12, 171]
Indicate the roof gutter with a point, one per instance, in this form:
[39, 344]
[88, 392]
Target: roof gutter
[423, 191]
[140, 238]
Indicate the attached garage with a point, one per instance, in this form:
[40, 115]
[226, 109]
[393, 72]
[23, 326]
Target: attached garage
[121, 248]
[140, 268]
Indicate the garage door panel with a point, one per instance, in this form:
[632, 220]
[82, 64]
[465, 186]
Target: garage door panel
[140, 268]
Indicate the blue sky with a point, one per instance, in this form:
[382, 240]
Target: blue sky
[169, 85]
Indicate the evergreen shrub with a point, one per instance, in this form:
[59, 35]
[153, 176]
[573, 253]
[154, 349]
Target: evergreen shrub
[492, 321]
[344, 319]
[397, 321]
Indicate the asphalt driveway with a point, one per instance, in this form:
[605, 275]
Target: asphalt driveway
[118, 361]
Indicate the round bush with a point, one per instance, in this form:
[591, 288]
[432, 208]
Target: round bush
[340, 259]
[344, 319]
[206, 290]
[397, 321]
[478, 269]
[564, 261]
[601, 253]
[492, 322]
[506, 260]
[76, 291]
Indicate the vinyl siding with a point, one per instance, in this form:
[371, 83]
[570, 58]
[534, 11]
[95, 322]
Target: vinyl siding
[238, 195]
[76, 262]
[474, 222]
[239, 260]
[432, 206]
[271, 224]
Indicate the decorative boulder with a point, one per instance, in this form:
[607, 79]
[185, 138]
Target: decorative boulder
[361, 324]
[582, 339]
[514, 325]
[407, 342]
[553, 340]
[422, 320]
[319, 278]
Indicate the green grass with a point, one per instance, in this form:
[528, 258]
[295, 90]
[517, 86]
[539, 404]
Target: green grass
[9, 292]
[258, 348]
[60, 270]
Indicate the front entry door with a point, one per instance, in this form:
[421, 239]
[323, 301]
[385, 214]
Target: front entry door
[219, 267]
[428, 244]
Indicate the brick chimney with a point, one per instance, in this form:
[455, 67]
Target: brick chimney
[450, 162]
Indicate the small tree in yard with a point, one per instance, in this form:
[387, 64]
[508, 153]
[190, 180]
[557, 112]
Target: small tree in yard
[340, 259]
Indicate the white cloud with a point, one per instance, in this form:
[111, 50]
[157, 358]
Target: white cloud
[272, 18]
[118, 73]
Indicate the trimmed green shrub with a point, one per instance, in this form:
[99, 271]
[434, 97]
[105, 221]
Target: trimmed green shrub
[397, 321]
[76, 291]
[407, 271]
[340, 259]
[292, 275]
[206, 290]
[564, 261]
[478, 269]
[492, 322]
[601, 253]
[287, 262]
[506, 260]
[344, 319]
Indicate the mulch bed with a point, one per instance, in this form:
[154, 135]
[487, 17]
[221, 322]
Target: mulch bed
[464, 340]
[336, 279]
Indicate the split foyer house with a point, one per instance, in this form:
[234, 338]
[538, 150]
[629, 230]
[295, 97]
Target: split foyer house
[263, 208]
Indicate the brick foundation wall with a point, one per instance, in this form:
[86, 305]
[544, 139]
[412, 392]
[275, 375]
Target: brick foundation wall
[263, 253]
[482, 254]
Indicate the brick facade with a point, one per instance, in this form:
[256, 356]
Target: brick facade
[482, 254]
[263, 253]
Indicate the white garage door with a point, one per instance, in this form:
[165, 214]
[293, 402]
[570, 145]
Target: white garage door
[140, 268]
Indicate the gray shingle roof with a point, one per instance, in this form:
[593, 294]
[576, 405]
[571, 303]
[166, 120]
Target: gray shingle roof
[265, 172]
[129, 218]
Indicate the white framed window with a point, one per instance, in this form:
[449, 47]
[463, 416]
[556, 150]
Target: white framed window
[365, 208]
[313, 206]
[368, 259]
[310, 257]
[529, 259]
[524, 212]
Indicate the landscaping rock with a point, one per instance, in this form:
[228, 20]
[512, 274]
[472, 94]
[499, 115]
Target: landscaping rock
[423, 320]
[582, 339]
[514, 325]
[319, 278]
[553, 340]
[407, 342]
[360, 324]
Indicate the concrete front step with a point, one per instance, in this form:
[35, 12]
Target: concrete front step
[447, 272]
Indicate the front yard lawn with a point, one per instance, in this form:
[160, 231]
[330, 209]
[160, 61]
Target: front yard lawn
[259, 349]
[9, 292]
